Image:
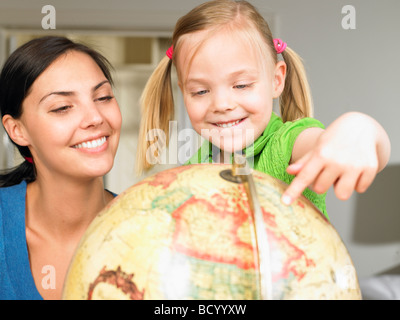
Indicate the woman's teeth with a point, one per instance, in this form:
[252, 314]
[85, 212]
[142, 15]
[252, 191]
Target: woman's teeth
[228, 124]
[91, 144]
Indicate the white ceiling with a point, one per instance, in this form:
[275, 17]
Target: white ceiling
[100, 14]
[138, 15]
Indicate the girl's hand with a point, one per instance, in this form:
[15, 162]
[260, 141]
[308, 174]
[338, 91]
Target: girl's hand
[347, 155]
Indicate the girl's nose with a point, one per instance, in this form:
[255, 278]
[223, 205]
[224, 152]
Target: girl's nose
[222, 101]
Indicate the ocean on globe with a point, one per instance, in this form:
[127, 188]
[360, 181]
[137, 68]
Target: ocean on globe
[189, 233]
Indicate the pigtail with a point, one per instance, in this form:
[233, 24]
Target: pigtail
[157, 107]
[295, 101]
[24, 172]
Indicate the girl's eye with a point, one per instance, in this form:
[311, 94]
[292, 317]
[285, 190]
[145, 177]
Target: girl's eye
[199, 93]
[242, 86]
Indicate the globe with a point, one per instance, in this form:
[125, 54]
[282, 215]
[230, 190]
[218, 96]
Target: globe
[191, 233]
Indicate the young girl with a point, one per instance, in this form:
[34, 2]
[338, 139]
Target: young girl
[58, 108]
[229, 73]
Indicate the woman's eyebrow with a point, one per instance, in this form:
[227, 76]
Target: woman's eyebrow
[71, 93]
[60, 93]
[99, 85]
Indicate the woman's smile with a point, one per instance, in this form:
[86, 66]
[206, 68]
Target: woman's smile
[91, 144]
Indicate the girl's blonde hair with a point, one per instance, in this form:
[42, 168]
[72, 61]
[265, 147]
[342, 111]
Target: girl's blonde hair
[157, 100]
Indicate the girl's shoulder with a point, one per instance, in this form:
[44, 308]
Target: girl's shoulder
[294, 127]
[281, 135]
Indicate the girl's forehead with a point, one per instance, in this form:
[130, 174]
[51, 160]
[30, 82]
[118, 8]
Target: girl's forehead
[220, 43]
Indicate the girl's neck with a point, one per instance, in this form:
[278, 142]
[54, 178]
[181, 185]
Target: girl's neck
[64, 209]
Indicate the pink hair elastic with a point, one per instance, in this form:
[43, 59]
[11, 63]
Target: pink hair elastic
[280, 46]
[170, 52]
[29, 159]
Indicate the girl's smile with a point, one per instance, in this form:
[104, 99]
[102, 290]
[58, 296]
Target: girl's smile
[228, 124]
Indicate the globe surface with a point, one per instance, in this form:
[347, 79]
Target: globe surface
[188, 233]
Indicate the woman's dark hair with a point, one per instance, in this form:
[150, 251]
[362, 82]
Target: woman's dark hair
[20, 71]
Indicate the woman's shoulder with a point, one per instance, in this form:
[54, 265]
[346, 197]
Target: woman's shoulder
[12, 199]
[14, 191]
[112, 193]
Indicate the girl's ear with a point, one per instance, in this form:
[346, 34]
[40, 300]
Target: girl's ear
[15, 130]
[279, 78]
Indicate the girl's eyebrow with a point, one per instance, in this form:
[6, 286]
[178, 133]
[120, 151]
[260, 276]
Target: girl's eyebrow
[71, 93]
[194, 81]
[245, 72]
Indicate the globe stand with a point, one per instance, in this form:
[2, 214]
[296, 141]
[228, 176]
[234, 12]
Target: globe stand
[241, 173]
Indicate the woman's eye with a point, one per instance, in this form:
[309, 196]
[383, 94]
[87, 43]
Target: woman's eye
[61, 109]
[105, 98]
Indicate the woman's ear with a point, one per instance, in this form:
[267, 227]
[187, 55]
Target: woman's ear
[279, 78]
[16, 130]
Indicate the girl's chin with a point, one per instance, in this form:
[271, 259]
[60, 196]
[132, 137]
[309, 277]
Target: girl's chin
[229, 146]
[232, 142]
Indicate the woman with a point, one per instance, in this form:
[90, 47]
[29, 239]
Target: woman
[58, 108]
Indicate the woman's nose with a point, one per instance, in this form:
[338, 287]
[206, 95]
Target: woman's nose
[92, 116]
